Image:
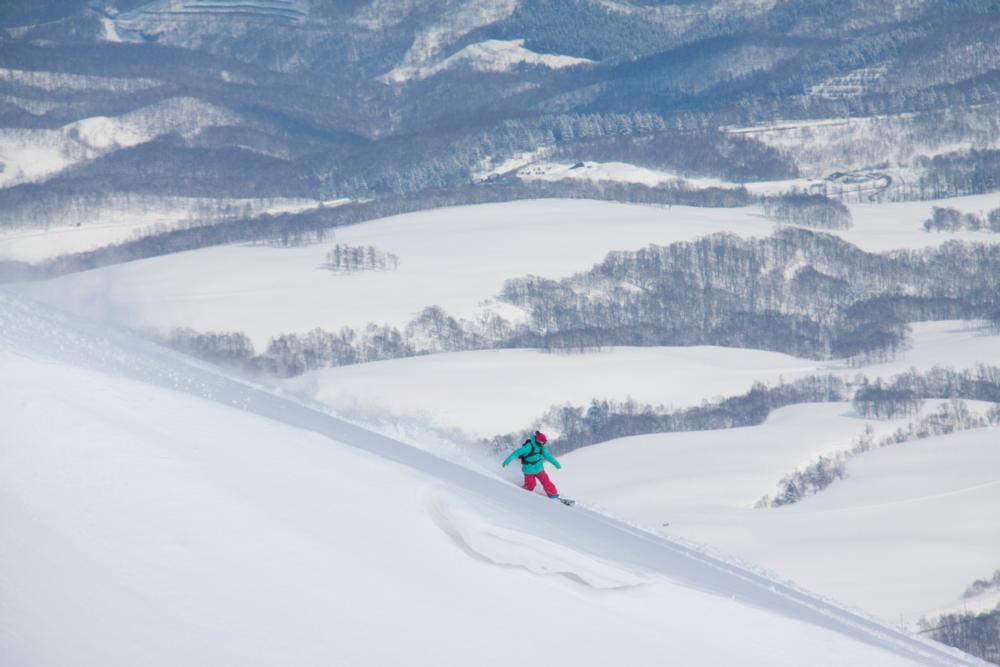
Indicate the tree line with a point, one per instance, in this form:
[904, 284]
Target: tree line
[350, 259]
[798, 292]
[975, 633]
[608, 419]
[950, 417]
[952, 220]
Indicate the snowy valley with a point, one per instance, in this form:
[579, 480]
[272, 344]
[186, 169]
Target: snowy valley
[283, 282]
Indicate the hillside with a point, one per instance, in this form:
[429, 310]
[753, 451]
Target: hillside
[282, 281]
[228, 528]
[144, 101]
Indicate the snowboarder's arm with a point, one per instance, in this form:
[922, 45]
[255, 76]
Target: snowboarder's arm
[523, 449]
[551, 459]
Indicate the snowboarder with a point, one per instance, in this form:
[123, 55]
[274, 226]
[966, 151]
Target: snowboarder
[532, 453]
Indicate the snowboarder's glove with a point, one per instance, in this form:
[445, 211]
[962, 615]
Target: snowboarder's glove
[504, 465]
[558, 466]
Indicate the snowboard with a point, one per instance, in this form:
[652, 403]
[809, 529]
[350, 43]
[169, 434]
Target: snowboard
[568, 502]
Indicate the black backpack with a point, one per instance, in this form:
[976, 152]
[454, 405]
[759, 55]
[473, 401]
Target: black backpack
[535, 455]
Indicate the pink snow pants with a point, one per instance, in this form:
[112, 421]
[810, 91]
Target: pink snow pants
[543, 477]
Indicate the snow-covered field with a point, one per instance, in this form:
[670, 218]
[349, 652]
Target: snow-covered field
[78, 228]
[504, 390]
[619, 172]
[493, 55]
[902, 536]
[703, 483]
[456, 258]
[496, 391]
[164, 514]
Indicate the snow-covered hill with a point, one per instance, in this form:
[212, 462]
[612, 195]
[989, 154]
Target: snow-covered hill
[493, 55]
[29, 155]
[494, 397]
[456, 258]
[165, 514]
[901, 537]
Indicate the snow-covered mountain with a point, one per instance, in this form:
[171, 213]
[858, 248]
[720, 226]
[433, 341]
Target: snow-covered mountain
[161, 512]
[384, 98]
[739, 258]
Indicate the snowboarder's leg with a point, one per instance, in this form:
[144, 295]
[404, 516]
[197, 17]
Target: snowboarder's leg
[529, 482]
[550, 488]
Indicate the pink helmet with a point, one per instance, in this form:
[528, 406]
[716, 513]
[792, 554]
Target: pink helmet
[540, 437]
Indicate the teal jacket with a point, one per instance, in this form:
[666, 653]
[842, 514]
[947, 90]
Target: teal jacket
[534, 464]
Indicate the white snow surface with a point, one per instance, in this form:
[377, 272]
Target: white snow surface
[620, 172]
[455, 258]
[902, 536]
[705, 483]
[504, 390]
[78, 227]
[165, 514]
[492, 55]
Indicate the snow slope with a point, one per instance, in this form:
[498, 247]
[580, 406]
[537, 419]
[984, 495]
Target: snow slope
[706, 483]
[29, 155]
[165, 514]
[902, 536]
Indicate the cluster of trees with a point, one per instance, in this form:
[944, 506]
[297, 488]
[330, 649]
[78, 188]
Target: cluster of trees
[811, 479]
[605, 420]
[602, 420]
[693, 153]
[292, 229]
[431, 331]
[349, 259]
[809, 211]
[980, 586]
[901, 396]
[305, 119]
[953, 220]
[878, 401]
[981, 383]
[797, 292]
[976, 634]
[950, 417]
[957, 174]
